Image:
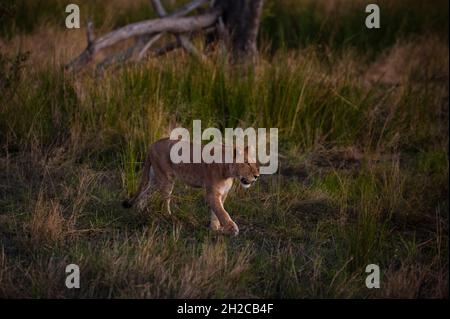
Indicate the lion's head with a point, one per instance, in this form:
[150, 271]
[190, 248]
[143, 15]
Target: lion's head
[248, 171]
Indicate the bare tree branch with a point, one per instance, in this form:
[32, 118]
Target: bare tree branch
[167, 24]
[143, 43]
[157, 5]
[234, 23]
[147, 46]
[188, 8]
[166, 49]
[184, 40]
[90, 32]
[176, 44]
[117, 57]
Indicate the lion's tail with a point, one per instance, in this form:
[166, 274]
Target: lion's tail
[143, 185]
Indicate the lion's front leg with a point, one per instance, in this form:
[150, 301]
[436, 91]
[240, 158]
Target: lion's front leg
[220, 219]
[214, 224]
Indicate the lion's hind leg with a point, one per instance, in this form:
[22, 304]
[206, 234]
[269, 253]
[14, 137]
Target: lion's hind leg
[165, 189]
[145, 187]
[214, 224]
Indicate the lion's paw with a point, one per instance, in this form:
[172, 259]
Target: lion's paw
[215, 226]
[231, 229]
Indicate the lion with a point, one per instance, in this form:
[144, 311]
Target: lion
[159, 173]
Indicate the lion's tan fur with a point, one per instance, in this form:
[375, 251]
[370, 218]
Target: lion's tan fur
[159, 173]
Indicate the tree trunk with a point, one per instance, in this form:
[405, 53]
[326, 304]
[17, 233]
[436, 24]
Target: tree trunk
[241, 19]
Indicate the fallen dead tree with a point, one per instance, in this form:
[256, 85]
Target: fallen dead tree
[234, 23]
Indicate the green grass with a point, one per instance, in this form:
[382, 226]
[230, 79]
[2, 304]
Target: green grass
[339, 24]
[363, 174]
